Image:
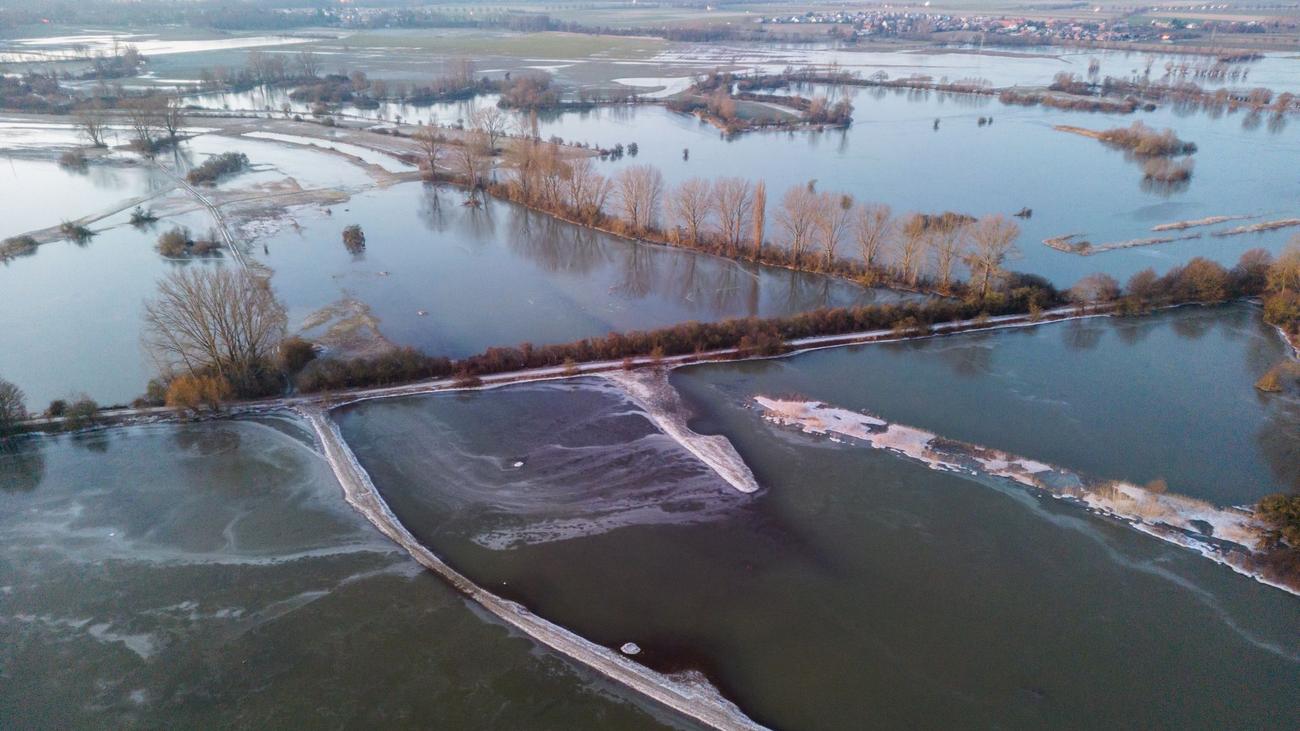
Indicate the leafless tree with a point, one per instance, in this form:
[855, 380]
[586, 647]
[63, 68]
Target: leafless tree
[949, 244]
[469, 160]
[1094, 289]
[993, 239]
[690, 206]
[1284, 273]
[308, 63]
[914, 242]
[493, 122]
[13, 407]
[834, 217]
[144, 116]
[798, 219]
[171, 116]
[760, 217]
[733, 201]
[218, 321]
[587, 189]
[873, 225]
[640, 189]
[93, 124]
[432, 143]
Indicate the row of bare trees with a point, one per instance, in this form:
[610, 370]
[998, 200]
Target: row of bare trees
[729, 216]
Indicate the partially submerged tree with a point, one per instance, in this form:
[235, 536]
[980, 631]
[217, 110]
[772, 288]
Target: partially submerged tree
[216, 321]
[689, 207]
[993, 239]
[93, 125]
[733, 201]
[640, 190]
[873, 224]
[354, 239]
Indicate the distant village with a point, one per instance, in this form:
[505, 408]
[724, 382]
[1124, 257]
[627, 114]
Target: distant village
[890, 23]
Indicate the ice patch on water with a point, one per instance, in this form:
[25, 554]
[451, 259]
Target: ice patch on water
[650, 390]
[1233, 533]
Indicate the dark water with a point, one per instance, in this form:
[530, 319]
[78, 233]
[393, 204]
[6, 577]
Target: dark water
[856, 589]
[212, 576]
[502, 275]
[1167, 396]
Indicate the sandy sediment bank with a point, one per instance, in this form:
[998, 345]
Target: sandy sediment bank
[687, 693]
[1197, 223]
[1228, 536]
[649, 389]
[1071, 244]
[1259, 227]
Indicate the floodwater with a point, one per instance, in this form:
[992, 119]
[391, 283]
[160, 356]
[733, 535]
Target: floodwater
[71, 313]
[1168, 396]
[892, 154]
[454, 280]
[212, 575]
[857, 580]
[40, 193]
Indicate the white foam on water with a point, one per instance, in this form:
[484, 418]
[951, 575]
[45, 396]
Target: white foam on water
[649, 389]
[1178, 519]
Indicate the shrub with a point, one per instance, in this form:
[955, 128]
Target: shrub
[141, 216]
[227, 163]
[75, 231]
[13, 407]
[354, 239]
[80, 413]
[192, 392]
[295, 353]
[73, 159]
[17, 246]
[1282, 512]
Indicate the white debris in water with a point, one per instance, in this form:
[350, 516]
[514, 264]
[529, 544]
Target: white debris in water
[650, 390]
[1178, 519]
[630, 648]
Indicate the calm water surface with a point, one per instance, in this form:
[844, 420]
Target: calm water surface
[211, 575]
[854, 580]
[502, 275]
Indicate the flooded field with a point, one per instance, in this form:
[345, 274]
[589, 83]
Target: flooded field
[436, 274]
[894, 154]
[71, 313]
[211, 575]
[854, 579]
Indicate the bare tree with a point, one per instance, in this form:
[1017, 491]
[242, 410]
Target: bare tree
[760, 217]
[640, 188]
[1094, 289]
[949, 242]
[13, 407]
[93, 124]
[733, 200]
[469, 160]
[690, 205]
[915, 240]
[993, 239]
[834, 215]
[873, 224]
[587, 189]
[1284, 273]
[308, 63]
[432, 143]
[171, 116]
[798, 219]
[492, 122]
[215, 321]
[144, 115]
